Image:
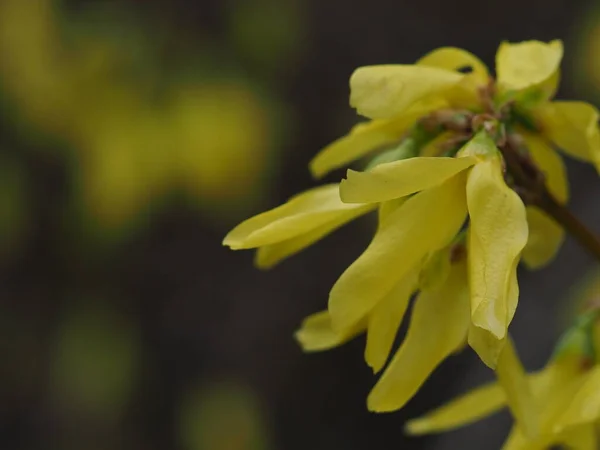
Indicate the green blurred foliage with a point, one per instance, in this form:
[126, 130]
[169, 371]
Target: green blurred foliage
[14, 205]
[140, 115]
[96, 360]
[223, 415]
[586, 46]
[270, 33]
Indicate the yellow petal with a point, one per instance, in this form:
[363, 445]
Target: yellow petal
[512, 377]
[400, 178]
[497, 235]
[367, 137]
[385, 319]
[386, 208]
[573, 127]
[301, 214]
[580, 438]
[316, 334]
[465, 93]
[517, 441]
[471, 407]
[452, 58]
[584, 407]
[526, 64]
[550, 164]
[545, 239]
[386, 90]
[270, 255]
[438, 326]
[424, 223]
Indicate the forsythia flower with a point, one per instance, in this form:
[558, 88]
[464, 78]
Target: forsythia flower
[562, 406]
[455, 147]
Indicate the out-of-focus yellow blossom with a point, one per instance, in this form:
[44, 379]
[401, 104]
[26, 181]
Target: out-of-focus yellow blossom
[210, 138]
[561, 401]
[492, 140]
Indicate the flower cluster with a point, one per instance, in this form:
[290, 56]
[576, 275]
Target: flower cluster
[466, 181]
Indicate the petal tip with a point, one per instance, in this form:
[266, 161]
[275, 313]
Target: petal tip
[416, 427]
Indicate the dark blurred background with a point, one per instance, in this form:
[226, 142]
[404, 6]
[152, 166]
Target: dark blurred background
[134, 134]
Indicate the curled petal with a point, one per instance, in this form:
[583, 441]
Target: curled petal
[316, 334]
[302, 214]
[526, 64]
[387, 90]
[426, 222]
[573, 127]
[438, 326]
[497, 234]
[400, 178]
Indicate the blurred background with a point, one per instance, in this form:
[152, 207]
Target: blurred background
[134, 134]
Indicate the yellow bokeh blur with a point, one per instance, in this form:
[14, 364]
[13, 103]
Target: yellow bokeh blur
[210, 137]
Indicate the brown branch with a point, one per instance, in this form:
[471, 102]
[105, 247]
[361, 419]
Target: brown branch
[531, 184]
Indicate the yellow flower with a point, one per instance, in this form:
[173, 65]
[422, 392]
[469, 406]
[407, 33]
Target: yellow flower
[289, 228]
[448, 189]
[563, 404]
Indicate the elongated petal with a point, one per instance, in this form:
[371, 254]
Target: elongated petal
[550, 164]
[452, 58]
[424, 223]
[526, 64]
[270, 255]
[545, 239]
[367, 137]
[386, 90]
[497, 235]
[438, 326]
[584, 407]
[400, 178]
[301, 214]
[385, 319]
[471, 407]
[513, 379]
[573, 127]
[316, 334]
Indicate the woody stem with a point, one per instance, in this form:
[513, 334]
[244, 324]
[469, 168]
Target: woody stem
[534, 191]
